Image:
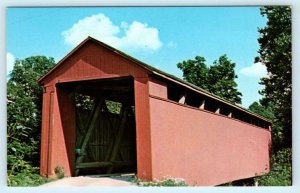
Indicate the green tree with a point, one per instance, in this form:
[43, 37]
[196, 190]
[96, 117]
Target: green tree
[218, 79]
[275, 53]
[195, 71]
[265, 111]
[222, 78]
[24, 104]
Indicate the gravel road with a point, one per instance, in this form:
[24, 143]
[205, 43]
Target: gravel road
[91, 181]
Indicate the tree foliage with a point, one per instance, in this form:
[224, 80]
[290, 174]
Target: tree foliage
[264, 111]
[24, 103]
[195, 71]
[275, 53]
[218, 78]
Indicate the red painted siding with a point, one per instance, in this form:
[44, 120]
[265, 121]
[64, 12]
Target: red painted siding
[143, 138]
[204, 148]
[45, 132]
[158, 88]
[58, 137]
[92, 62]
[66, 135]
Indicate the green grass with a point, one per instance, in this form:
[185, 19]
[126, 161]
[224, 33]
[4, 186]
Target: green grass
[29, 176]
[27, 180]
[166, 182]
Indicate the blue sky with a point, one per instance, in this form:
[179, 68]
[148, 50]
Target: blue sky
[159, 36]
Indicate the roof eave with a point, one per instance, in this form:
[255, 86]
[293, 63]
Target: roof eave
[41, 79]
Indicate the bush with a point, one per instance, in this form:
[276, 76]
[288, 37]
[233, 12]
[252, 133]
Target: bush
[23, 179]
[281, 170]
[165, 182]
[59, 172]
[28, 177]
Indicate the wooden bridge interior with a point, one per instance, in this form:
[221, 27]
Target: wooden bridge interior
[105, 126]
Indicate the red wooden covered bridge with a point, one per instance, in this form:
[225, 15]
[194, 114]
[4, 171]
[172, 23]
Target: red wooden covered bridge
[105, 112]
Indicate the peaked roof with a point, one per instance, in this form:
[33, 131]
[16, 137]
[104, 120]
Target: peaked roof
[152, 70]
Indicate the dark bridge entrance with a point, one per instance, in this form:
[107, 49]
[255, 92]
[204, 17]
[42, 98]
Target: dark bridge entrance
[105, 126]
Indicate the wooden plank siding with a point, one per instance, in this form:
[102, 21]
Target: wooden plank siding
[91, 62]
[205, 148]
[98, 151]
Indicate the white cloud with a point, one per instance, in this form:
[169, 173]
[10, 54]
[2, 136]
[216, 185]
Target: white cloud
[124, 25]
[10, 61]
[96, 25]
[137, 35]
[255, 70]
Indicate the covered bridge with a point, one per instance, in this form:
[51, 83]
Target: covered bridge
[105, 112]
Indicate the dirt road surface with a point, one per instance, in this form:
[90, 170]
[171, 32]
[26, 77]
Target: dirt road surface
[91, 181]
